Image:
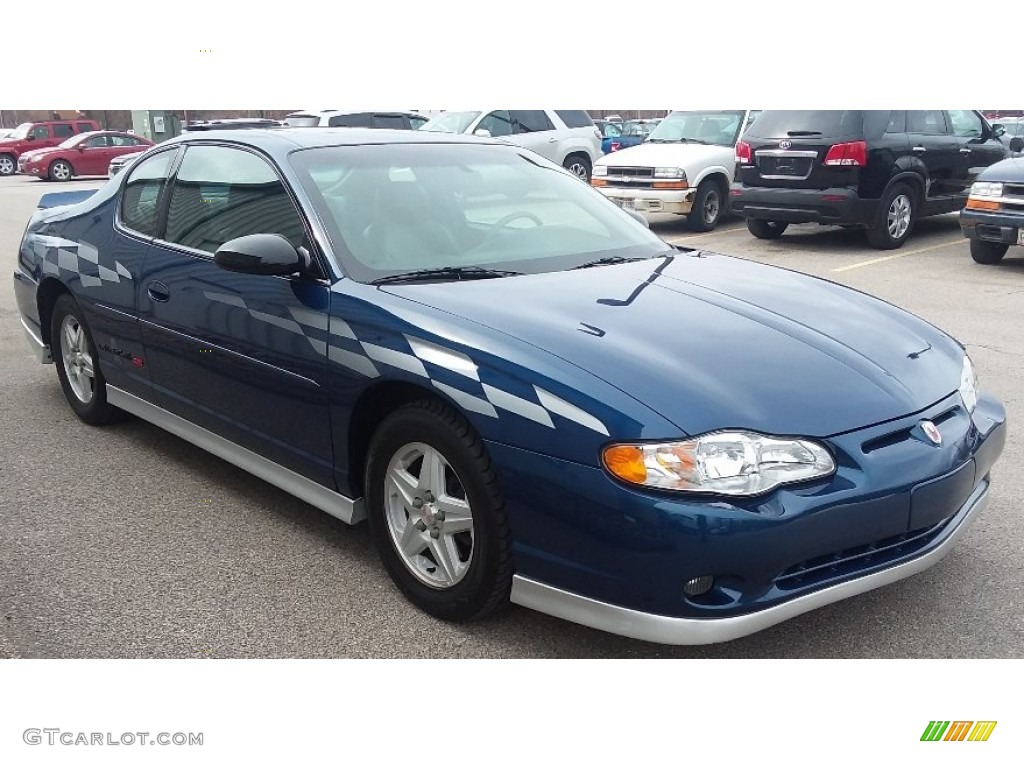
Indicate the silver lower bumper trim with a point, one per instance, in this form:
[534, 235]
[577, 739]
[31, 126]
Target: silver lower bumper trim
[333, 503]
[40, 349]
[672, 630]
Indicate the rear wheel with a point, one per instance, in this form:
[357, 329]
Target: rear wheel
[895, 219]
[708, 206]
[78, 364]
[60, 170]
[766, 230]
[7, 165]
[988, 253]
[435, 513]
[578, 166]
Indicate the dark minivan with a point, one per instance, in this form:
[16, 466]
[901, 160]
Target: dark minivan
[880, 170]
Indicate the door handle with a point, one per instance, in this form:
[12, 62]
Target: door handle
[552, 141]
[920, 149]
[158, 291]
[965, 151]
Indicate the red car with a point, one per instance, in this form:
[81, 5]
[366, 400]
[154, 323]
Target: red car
[38, 135]
[88, 154]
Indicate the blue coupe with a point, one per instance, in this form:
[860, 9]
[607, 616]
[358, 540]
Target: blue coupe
[528, 395]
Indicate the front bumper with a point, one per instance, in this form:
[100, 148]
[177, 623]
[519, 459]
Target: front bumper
[617, 558]
[840, 205]
[643, 200]
[992, 226]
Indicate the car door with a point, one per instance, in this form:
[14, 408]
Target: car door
[241, 355]
[61, 132]
[533, 129]
[932, 141]
[91, 157]
[978, 148]
[496, 123]
[39, 136]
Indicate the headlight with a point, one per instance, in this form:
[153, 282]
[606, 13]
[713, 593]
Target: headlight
[969, 385]
[669, 173]
[987, 189]
[600, 170]
[731, 463]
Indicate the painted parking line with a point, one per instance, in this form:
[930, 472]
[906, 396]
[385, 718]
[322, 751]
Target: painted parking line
[712, 233]
[899, 255]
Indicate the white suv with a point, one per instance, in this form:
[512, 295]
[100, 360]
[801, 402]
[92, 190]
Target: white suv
[564, 136]
[685, 166]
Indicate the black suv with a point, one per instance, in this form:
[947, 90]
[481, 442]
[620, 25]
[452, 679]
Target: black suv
[878, 170]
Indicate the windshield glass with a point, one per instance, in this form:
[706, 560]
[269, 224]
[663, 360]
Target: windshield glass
[396, 208]
[21, 132]
[302, 121]
[451, 122]
[720, 128]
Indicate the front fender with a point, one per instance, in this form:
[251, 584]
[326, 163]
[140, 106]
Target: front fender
[703, 172]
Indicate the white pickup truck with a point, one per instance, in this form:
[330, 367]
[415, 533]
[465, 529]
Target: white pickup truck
[685, 166]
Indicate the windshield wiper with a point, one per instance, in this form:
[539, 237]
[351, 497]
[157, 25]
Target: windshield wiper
[613, 260]
[451, 273]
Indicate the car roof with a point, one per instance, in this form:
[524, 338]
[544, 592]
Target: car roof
[286, 139]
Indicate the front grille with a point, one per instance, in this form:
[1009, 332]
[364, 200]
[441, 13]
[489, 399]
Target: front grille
[1013, 190]
[631, 172]
[847, 561]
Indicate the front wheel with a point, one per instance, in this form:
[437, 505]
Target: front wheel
[78, 364]
[579, 166]
[60, 170]
[766, 230]
[708, 207]
[988, 253]
[435, 513]
[895, 219]
[7, 165]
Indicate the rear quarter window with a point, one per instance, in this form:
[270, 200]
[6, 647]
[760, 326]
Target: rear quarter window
[575, 118]
[777, 124]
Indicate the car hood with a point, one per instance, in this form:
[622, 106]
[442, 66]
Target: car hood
[712, 342]
[670, 155]
[1011, 170]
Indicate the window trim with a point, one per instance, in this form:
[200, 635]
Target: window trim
[945, 122]
[985, 129]
[318, 261]
[516, 123]
[119, 224]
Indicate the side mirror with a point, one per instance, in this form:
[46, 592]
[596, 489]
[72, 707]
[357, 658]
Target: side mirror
[998, 130]
[1017, 144]
[261, 254]
[482, 132]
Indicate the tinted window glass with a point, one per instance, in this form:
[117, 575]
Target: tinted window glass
[531, 121]
[84, 127]
[221, 193]
[63, 130]
[390, 121]
[350, 121]
[97, 141]
[966, 124]
[777, 124]
[417, 122]
[140, 197]
[497, 123]
[926, 121]
[574, 118]
[122, 141]
[897, 122]
[40, 132]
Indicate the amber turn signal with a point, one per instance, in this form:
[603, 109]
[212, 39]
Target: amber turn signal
[975, 204]
[626, 462]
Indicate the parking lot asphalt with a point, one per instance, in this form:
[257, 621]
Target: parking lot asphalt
[127, 542]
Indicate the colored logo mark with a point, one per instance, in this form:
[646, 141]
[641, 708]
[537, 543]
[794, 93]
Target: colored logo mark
[958, 730]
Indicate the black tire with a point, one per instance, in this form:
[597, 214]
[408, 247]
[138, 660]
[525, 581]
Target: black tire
[60, 170]
[579, 166]
[988, 253]
[766, 230]
[880, 234]
[8, 165]
[96, 410]
[487, 582]
[708, 206]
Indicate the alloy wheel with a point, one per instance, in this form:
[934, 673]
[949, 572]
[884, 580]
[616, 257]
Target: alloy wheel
[428, 515]
[6, 165]
[78, 363]
[578, 169]
[61, 171]
[712, 207]
[898, 217]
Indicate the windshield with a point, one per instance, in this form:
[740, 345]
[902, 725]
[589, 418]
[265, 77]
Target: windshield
[451, 122]
[721, 128]
[397, 208]
[302, 121]
[21, 132]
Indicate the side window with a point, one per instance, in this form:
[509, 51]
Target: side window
[96, 141]
[575, 118]
[221, 193]
[40, 132]
[390, 121]
[531, 121]
[897, 121]
[931, 121]
[966, 124]
[417, 122]
[349, 121]
[612, 131]
[497, 123]
[140, 198]
[84, 128]
[63, 130]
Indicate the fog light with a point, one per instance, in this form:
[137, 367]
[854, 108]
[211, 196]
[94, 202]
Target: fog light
[699, 585]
